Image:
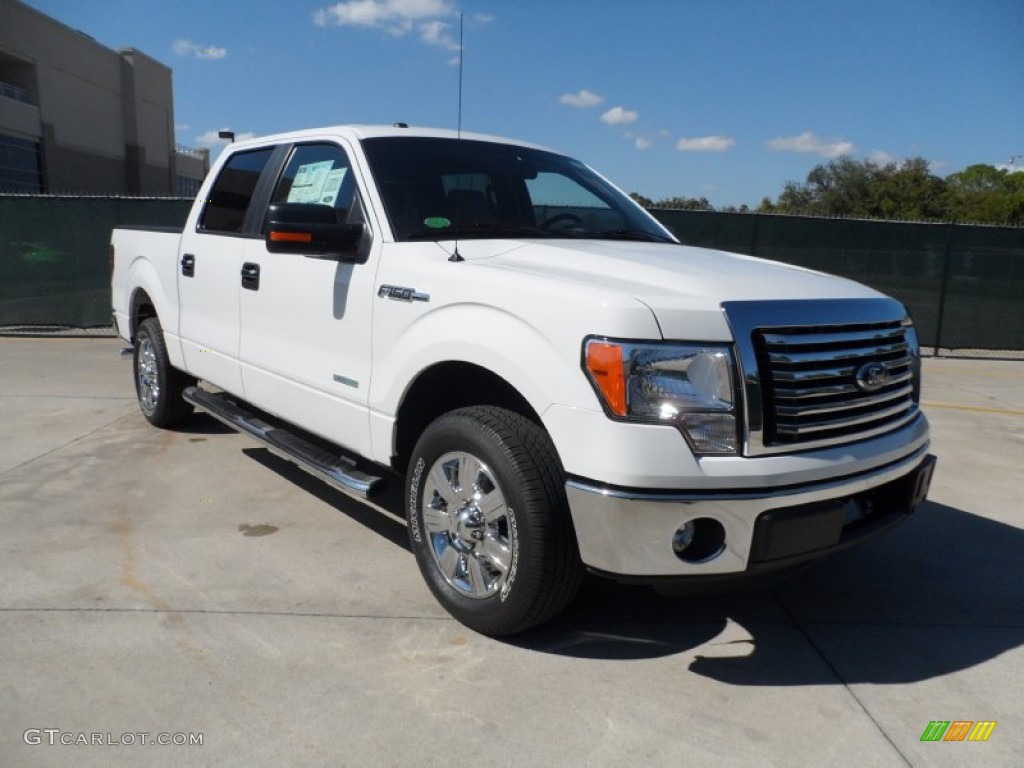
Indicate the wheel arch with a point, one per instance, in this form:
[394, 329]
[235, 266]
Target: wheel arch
[444, 387]
[141, 308]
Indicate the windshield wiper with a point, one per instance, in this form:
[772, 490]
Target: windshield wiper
[631, 234]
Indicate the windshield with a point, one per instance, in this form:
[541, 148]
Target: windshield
[441, 189]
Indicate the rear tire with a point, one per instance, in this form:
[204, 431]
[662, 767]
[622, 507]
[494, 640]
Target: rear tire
[158, 385]
[489, 522]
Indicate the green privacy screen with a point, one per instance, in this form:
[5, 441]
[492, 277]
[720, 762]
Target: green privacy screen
[54, 255]
[964, 285]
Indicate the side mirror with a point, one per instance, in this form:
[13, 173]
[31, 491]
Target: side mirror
[312, 230]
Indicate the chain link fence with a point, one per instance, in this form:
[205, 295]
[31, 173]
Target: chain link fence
[963, 284]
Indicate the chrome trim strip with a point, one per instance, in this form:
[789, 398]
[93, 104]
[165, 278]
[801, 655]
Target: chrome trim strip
[845, 405]
[836, 356]
[834, 337]
[889, 426]
[824, 426]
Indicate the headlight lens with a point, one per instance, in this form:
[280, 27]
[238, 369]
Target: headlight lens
[692, 386]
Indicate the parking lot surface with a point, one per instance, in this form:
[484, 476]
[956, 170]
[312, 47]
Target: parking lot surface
[183, 586]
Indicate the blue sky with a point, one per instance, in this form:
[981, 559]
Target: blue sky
[724, 99]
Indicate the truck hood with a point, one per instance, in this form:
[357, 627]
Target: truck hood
[682, 285]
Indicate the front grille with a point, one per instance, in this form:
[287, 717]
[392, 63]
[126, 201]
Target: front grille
[818, 383]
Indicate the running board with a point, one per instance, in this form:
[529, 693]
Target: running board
[338, 471]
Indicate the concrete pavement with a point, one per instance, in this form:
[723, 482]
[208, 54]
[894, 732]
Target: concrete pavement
[191, 583]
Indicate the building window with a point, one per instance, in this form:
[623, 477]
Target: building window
[188, 187]
[20, 170]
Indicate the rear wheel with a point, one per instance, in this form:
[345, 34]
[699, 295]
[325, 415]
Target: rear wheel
[158, 385]
[489, 522]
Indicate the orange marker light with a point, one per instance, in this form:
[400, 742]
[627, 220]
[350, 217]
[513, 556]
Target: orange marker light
[291, 237]
[604, 361]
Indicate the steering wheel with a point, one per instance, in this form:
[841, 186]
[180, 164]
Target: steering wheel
[571, 218]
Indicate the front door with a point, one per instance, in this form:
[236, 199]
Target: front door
[305, 343]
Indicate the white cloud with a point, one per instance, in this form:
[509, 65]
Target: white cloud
[582, 99]
[642, 143]
[619, 116]
[397, 17]
[188, 48]
[1011, 168]
[809, 142]
[881, 157]
[705, 144]
[210, 139]
[437, 33]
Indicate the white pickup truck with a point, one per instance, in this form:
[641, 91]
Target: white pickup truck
[562, 385]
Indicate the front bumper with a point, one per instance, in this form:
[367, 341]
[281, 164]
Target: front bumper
[628, 533]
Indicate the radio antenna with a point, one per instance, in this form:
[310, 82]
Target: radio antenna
[456, 256]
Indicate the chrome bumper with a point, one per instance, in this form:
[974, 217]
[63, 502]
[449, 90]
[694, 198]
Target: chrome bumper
[629, 533]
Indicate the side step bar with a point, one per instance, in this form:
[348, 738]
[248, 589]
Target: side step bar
[338, 471]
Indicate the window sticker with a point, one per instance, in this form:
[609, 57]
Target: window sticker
[332, 184]
[437, 222]
[316, 183]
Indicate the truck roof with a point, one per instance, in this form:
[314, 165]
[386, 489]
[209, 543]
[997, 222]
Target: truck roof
[359, 132]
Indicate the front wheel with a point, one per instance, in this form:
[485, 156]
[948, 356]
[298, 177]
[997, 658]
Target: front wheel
[489, 522]
[158, 385]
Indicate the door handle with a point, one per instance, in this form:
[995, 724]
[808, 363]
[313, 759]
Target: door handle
[251, 276]
[188, 265]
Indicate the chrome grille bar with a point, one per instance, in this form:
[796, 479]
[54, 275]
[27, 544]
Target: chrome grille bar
[823, 373]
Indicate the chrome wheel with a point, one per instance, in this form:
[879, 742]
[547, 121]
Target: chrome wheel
[470, 528]
[147, 375]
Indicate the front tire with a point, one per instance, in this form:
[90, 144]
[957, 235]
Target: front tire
[158, 384]
[489, 522]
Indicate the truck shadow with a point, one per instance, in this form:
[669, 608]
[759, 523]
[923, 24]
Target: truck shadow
[201, 423]
[941, 593]
[383, 517]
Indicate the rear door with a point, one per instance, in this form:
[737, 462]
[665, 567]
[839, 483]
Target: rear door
[209, 271]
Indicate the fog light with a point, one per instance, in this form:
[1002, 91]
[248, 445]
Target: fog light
[699, 540]
[683, 538]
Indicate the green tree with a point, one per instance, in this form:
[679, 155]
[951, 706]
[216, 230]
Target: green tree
[909, 191]
[685, 203]
[987, 195]
[851, 188]
[646, 202]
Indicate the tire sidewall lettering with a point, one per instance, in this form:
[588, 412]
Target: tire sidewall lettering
[513, 541]
[414, 495]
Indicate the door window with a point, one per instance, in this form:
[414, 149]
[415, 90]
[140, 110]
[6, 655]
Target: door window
[232, 193]
[319, 174]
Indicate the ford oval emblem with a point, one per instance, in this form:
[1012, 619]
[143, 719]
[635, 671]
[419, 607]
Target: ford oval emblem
[872, 377]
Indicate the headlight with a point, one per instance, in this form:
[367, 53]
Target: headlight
[692, 386]
[910, 334]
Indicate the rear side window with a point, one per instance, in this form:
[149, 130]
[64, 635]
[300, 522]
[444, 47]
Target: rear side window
[232, 193]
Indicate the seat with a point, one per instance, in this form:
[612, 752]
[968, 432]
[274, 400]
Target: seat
[468, 207]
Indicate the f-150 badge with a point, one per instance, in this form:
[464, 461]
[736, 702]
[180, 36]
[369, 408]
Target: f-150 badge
[398, 293]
